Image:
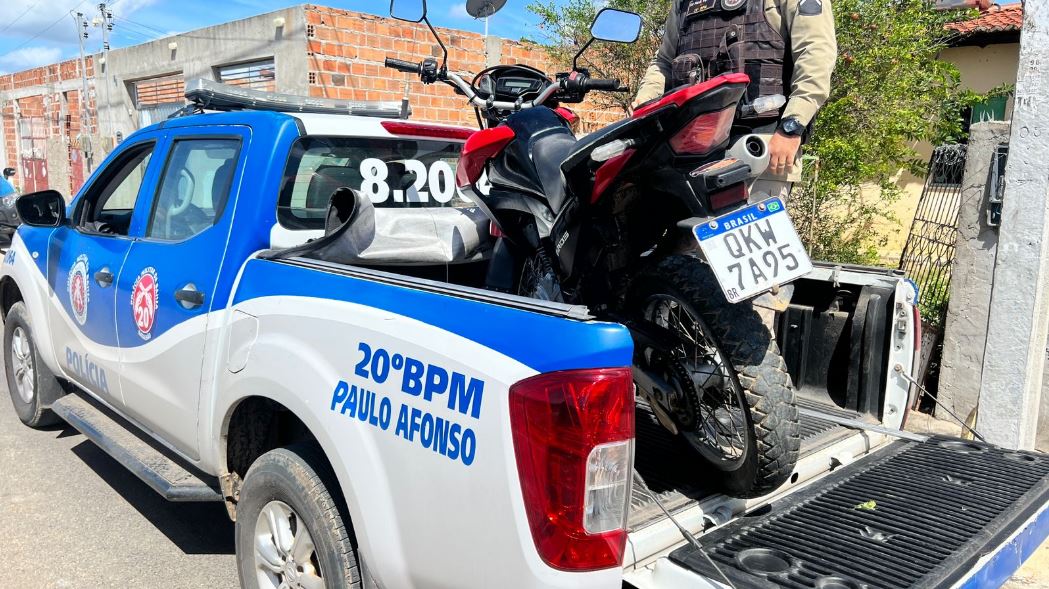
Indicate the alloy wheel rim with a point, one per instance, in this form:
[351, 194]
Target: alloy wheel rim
[720, 432]
[22, 365]
[285, 556]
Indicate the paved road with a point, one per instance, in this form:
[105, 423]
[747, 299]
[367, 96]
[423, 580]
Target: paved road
[71, 517]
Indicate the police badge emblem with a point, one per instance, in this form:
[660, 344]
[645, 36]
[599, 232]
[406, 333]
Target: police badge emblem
[79, 289]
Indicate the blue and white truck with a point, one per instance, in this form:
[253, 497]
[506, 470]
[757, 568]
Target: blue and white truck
[372, 417]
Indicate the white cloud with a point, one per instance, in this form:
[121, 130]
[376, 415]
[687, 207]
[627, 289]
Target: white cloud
[29, 57]
[458, 10]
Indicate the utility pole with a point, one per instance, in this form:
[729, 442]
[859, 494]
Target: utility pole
[1018, 323]
[106, 22]
[85, 119]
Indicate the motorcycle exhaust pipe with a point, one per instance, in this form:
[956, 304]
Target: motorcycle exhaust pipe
[752, 150]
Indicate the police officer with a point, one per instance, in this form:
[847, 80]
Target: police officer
[786, 47]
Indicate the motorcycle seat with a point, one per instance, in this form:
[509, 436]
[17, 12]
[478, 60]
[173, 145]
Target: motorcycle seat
[548, 153]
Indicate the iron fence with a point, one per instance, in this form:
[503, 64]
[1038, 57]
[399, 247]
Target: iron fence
[929, 251]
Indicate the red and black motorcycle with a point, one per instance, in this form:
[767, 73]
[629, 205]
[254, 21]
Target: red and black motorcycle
[649, 223]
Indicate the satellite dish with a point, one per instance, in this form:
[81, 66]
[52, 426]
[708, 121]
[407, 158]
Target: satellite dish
[483, 8]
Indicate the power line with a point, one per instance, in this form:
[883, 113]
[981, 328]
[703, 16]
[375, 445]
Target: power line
[143, 26]
[46, 29]
[24, 12]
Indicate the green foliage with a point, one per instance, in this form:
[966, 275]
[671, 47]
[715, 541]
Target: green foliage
[889, 92]
[564, 28]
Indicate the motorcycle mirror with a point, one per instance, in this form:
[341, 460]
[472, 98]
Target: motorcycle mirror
[408, 10]
[484, 8]
[617, 26]
[415, 11]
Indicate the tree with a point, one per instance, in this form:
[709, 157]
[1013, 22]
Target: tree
[564, 29]
[889, 94]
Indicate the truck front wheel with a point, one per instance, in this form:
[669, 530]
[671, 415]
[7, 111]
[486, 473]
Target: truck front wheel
[292, 527]
[31, 385]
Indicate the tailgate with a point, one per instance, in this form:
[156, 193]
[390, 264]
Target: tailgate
[915, 515]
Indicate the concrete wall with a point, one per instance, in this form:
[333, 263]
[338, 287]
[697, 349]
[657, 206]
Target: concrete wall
[197, 55]
[971, 283]
[984, 68]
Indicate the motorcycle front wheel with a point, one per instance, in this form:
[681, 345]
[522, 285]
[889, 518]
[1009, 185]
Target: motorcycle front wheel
[733, 401]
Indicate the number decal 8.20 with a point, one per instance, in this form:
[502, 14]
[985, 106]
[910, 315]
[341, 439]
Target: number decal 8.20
[439, 178]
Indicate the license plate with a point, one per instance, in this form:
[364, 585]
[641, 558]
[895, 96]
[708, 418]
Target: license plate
[753, 249]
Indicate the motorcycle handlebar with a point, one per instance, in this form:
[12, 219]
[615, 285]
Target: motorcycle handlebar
[604, 85]
[403, 66]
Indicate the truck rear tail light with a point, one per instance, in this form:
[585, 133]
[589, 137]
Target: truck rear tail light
[704, 133]
[573, 437]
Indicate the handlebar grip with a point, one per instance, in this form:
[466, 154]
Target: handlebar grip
[603, 84]
[404, 66]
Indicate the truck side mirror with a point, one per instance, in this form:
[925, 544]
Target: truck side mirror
[46, 208]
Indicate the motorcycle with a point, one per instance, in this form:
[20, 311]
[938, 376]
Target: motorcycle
[649, 223]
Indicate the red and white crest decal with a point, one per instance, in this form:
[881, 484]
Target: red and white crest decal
[79, 288]
[144, 299]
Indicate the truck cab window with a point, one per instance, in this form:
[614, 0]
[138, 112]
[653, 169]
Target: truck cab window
[392, 173]
[109, 203]
[194, 187]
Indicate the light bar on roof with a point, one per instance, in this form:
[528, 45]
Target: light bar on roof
[211, 95]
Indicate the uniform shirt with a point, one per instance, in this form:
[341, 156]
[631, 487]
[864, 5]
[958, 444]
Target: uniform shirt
[807, 26]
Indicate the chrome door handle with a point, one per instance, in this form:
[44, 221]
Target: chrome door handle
[189, 297]
[104, 277]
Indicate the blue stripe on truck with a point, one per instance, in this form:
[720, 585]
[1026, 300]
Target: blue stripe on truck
[542, 342]
[1008, 558]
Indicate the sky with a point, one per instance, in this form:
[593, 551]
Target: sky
[38, 32]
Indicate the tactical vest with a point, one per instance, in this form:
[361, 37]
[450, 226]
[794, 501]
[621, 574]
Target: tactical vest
[723, 36]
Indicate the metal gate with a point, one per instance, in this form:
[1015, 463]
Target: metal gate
[32, 132]
[929, 252]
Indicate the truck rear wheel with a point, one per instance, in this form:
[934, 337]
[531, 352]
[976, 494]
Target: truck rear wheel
[30, 383]
[292, 526]
[734, 402]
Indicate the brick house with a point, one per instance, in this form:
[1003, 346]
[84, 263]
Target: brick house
[306, 50]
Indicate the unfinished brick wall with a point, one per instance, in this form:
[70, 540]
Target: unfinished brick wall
[54, 104]
[346, 51]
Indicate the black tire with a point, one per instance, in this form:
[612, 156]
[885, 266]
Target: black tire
[32, 403]
[298, 477]
[743, 338]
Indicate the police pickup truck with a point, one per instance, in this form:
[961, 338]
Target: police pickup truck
[285, 312]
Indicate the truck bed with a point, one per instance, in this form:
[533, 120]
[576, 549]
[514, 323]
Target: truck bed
[677, 487]
[914, 515]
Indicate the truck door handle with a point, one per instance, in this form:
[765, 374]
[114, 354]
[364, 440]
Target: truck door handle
[104, 277]
[189, 297]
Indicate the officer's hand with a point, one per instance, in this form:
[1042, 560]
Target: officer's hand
[782, 151]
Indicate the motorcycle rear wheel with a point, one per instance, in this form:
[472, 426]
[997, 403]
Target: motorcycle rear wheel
[746, 428]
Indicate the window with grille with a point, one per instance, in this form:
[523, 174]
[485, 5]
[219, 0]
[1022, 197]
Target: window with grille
[163, 90]
[256, 75]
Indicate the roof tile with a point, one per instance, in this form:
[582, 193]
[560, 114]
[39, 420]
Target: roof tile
[996, 19]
